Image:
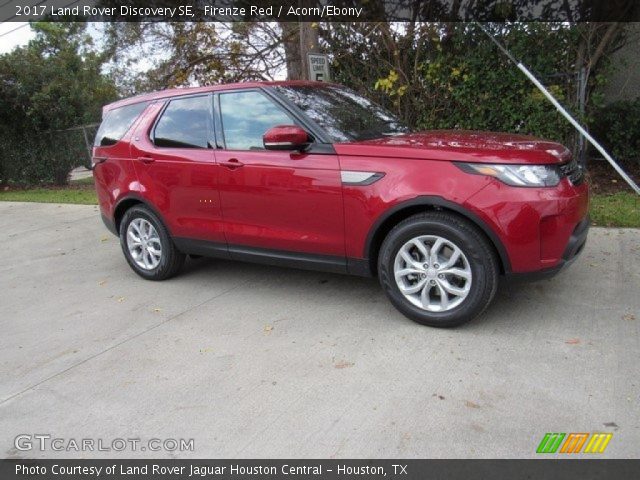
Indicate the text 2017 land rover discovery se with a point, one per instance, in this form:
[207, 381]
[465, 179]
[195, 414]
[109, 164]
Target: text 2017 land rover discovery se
[315, 176]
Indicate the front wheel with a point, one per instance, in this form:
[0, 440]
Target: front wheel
[147, 246]
[438, 269]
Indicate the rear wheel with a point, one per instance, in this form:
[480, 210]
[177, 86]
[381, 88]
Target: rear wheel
[438, 269]
[147, 246]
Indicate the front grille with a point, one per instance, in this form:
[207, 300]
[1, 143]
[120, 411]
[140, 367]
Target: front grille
[573, 171]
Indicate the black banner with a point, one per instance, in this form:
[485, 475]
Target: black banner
[322, 10]
[569, 469]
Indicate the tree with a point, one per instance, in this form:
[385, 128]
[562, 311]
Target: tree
[299, 39]
[174, 54]
[450, 75]
[52, 84]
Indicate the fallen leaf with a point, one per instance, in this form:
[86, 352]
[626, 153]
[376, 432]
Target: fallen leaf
[344, 364]
[477, 428]
[102, 282]
[121, 299]
[267, 329]
[573, 341]
[593, 264]
[437, 395]
[104, 239]
[205, 350]
[629, 316]
[471, 404]
[157, 310]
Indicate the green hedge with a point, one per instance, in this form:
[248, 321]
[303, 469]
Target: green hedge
[41, 158]
[617, 126]
[453, 77]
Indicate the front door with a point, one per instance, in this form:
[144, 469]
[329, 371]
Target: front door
[280, 201]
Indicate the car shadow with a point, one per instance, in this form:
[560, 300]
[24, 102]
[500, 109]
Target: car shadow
[513, 300]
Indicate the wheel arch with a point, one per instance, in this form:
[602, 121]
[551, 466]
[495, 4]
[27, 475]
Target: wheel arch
[403, 210]
[129, 201]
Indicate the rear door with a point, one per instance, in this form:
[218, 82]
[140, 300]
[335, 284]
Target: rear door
[173, 152]
[276, 200]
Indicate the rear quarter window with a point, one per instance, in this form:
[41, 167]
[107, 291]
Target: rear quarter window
[116, 123]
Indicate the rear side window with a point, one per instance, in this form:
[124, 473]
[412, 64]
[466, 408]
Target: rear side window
[116, 123]
[184, 123]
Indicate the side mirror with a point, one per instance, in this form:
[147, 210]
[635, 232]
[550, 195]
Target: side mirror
[285, 137]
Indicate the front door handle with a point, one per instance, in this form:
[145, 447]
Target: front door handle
[232, 163]
[146, 159]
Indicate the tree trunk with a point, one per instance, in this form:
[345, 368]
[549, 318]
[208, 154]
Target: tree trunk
[300, 39]
[308, 44]
[291, 35]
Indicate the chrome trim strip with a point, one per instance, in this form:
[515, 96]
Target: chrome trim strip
[355, 178]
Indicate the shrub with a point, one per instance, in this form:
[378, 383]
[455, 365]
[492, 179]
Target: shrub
[617, 127]
[450, 76]
[47, 88]
[41, 158]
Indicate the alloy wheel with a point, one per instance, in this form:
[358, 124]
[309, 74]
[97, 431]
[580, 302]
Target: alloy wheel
[144, 243]
[433, 273]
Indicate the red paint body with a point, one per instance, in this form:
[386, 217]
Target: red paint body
[297, 202]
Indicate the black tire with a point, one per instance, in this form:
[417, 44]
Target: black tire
[171, 259]
[475, 246]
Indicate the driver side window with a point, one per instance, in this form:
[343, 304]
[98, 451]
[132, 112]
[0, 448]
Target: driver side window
[246, 116]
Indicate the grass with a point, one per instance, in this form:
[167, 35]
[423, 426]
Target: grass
[80, 192]
[82, 196]
[620, 209]
[82, 182]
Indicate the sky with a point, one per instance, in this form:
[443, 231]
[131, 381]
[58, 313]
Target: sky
[19, 37]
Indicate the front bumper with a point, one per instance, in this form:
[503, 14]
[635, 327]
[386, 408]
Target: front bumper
[541, 229]
[576, 244]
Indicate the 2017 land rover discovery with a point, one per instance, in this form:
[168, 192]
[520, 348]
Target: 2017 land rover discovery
[313, 175]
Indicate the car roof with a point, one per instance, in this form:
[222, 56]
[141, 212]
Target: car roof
[176, 92]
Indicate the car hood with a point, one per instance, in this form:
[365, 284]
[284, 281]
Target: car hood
[461, 145]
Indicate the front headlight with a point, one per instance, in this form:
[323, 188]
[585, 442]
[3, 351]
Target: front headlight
[517, 175]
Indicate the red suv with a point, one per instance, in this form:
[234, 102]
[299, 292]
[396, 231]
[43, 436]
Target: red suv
[313, 175]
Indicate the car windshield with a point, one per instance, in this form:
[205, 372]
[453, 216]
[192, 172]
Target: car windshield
[342, 113]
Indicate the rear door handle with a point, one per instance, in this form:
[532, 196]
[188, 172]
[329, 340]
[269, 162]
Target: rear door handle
[232, 163]
[146, 159]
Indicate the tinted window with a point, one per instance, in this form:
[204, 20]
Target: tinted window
[116, 123]
[345, 115]
[184, 124]
[246, 116]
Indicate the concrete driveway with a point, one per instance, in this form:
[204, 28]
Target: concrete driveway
[255, 361]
